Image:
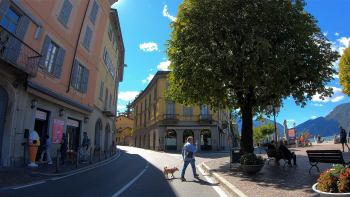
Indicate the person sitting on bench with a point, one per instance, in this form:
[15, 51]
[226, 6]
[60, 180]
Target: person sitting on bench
[287, 154]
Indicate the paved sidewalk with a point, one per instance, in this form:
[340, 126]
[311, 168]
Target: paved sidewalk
[274, 180]
[14, 176]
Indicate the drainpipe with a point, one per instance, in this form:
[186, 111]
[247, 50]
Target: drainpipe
[76, 47]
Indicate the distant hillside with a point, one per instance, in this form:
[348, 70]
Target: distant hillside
[329, 125]
[257, 123]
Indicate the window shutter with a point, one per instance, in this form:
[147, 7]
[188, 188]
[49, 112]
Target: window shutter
[73, 81]
[94, 11]
[65, 12]
[44, 51]
[4, 6]
[22, 27]
[85, 80]
[87, 38]
[59, 62]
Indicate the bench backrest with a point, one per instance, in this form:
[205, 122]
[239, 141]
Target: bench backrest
[326, 156]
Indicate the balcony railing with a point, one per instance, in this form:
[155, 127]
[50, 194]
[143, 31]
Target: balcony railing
[205, 118]
[109, 111]
[17, 53]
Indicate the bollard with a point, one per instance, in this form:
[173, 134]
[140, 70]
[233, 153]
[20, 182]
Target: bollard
[90, 156]
[57, 160]
[77, 158]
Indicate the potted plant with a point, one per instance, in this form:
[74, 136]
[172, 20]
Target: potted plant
[334, 182]
[251, 164]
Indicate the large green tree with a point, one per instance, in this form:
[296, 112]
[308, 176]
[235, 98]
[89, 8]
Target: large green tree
[247, 55]
[344, 71]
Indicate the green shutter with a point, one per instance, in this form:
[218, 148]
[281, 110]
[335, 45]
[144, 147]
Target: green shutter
[94, 12]
[44, 49]
[74, 78]
[65, 12]
[59, 62]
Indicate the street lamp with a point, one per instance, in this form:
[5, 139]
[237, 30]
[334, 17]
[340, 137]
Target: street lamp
[275, 110]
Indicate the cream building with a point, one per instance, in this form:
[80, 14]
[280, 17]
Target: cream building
[160, 124]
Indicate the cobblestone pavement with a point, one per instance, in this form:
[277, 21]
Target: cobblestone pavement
[275, 180]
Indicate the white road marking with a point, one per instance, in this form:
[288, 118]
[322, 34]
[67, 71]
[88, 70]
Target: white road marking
[32, 184]
[131, 182]
[210, 180]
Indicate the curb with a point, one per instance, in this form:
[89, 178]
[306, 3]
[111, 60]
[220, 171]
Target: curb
[91, 166]
[227, 185]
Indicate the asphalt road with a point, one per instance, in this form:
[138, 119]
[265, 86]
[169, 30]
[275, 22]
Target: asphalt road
[137, 172]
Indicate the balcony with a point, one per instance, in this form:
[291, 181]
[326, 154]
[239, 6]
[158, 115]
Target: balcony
[170, 118]
[109, 112]
[205, 118]
[17, 53]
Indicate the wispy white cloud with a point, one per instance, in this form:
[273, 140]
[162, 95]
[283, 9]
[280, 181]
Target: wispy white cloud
[336, 34]
[149, 46]
[164, 66]
[166, 13]
[313, 117]
[318, 104]
[121, 108]
[148, 79]
[341, 44]
[127, 95]
[336, 97]
[325, 33]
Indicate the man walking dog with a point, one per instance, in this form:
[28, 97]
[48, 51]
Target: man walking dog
[188, 156]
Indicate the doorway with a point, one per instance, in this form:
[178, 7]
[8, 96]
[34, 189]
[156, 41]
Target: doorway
[3, 109]
[170, 141]
[206, 140]
[187, 133]
[73, 134]
[41, 126]
[107, 133]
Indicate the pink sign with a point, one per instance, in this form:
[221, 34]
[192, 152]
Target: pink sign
[58, 126]
[291, 134]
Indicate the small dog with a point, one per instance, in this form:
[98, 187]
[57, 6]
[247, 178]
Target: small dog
[170, 171]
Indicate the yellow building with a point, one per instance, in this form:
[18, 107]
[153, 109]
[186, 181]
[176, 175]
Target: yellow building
[160, 124]
[124, 126]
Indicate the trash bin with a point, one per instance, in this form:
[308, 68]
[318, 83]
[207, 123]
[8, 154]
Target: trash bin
[235, 155]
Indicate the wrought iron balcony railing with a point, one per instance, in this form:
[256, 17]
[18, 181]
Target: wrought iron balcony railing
[205, 117]
[17, 53]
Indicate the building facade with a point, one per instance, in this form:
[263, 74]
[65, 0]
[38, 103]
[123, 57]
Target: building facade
[50, 56]
[124, 127]
[161, 124]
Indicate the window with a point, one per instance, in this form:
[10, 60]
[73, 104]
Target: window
[188, 111]
[110, 32]
[87, 37]
[80, 77]
[94, 12]
[108, 61]
[65, 12]
[110, 100]
[170, 108]
[204, 110]
[101, 90]
[10, 20]
[51, 56]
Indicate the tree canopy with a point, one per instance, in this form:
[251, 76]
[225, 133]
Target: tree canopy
[260, 132]
[344, 71]
[247, 55]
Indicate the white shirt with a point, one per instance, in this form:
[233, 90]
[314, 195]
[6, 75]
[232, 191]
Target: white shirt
[33, 135]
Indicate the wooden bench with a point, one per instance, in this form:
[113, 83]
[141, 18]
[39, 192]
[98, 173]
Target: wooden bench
[325, 156]
[274, 154]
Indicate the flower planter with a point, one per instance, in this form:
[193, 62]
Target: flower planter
[251, 169]
[328, 193]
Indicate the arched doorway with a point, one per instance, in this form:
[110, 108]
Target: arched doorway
[98, 129]
[206, 140]
[3, 108]
[187, 133]
[170, 140]
[107, 133]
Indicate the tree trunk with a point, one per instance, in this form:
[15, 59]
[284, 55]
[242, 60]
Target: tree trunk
[247, 128]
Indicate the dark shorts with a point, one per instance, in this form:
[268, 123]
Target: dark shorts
[343, 141]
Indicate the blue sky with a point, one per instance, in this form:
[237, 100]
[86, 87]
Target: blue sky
[145, 28]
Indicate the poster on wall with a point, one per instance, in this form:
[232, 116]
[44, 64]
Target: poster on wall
[58, 126]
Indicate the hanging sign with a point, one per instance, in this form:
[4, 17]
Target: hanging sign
[58, 126]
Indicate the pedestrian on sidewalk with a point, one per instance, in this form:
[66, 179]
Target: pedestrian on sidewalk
[85, 147]
[63, 148]
[343, 138]
[188, 156]
[46, 149]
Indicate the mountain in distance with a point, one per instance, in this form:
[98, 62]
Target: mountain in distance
[257, 123]
[329, 125]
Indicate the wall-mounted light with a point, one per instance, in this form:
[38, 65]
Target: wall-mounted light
[33, 103]
[86, 119]
[61, 112]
